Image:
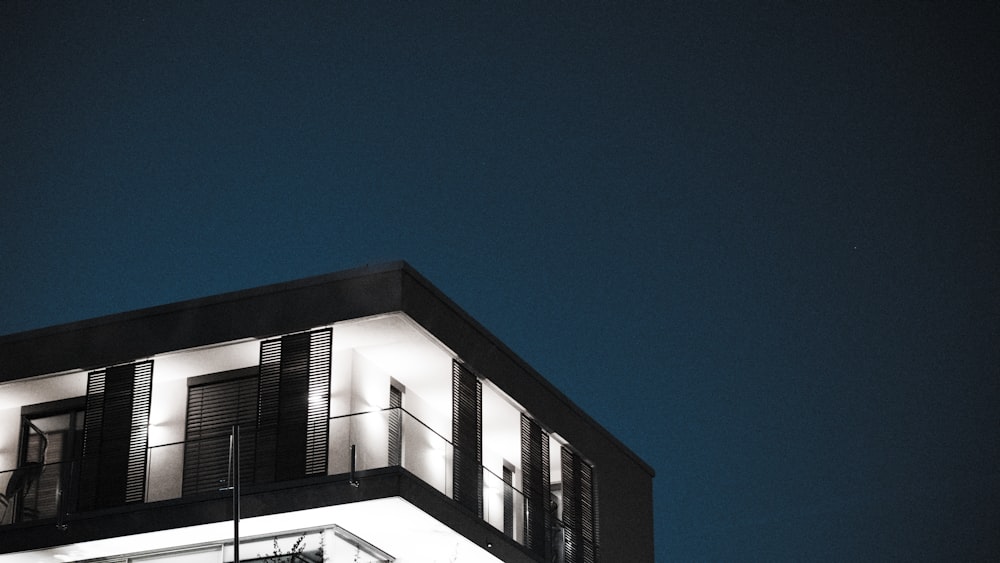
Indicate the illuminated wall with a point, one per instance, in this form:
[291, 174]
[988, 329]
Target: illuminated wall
[369, 355]
[18, 394]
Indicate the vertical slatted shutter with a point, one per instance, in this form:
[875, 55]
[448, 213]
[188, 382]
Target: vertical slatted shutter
[212, 410]
[535, 482]
[467, 436]
[293, 406]
[267, 410]
[318, 399]
[578, 509]
[395, 426]
[115, 435]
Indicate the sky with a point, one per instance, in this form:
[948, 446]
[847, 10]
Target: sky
[758, 243]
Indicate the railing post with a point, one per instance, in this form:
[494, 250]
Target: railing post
[234, 453]
[67, 479]
[354, 454]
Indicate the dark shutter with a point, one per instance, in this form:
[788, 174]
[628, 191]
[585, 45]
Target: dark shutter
[212, 410]
[588, 513]
[115, 436]
[395, 425]
[578, 508]
[293, 406]
[508, 501]
[535, 483]
[467, 437]
[267, 410]
[318, 399]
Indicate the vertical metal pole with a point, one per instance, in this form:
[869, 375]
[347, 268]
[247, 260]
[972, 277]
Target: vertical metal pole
[65, 480]
[354, 454]
[235, 453]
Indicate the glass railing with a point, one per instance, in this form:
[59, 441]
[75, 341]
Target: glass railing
[34, 491]
[194, 466]
[357, 443]
[386, 438]
[503, 506]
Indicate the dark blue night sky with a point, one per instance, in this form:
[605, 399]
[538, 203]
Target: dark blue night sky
[759, 244]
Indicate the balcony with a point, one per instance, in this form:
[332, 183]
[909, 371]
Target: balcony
[360, 444]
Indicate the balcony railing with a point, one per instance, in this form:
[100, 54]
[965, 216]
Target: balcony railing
[34, 491]
[380, 438]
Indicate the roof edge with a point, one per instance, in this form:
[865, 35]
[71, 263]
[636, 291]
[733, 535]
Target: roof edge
[236, 295]
[400, 266]
[525, 366]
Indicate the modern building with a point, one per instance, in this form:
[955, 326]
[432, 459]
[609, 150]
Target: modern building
[359, 416]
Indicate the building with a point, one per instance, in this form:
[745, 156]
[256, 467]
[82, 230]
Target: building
[373, 420]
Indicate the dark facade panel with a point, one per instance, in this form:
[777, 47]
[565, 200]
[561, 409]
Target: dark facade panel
[254, 313]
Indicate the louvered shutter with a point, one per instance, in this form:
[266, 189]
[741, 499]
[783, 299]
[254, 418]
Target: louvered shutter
[579, 516]
[535, 483]
[115, 436]
[395, 426]
[293, 406]
[212, 410]
[467, 437]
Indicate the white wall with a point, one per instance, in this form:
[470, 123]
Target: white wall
[342, 364]
[18, 394]
[501, 443]
[368, 355]
[168, 408]
[369, 426]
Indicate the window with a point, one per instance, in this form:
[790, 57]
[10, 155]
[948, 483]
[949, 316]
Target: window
[215, 403]
[51, 443]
